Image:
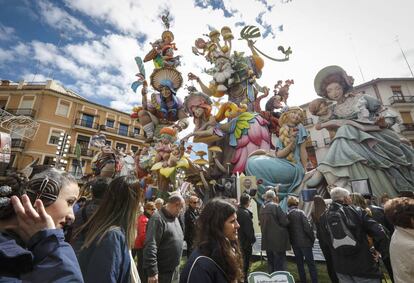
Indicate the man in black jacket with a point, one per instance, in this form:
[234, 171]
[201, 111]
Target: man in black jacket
[246, 231]
[190, 219]
[352, 256]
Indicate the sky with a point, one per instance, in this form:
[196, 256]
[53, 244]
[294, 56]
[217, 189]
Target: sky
[89, 45]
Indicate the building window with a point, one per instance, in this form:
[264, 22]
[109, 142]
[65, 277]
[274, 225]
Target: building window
[63, 108]
[27, 102]
[123, 129]
[54, 137]
[134, 148]
[406, 117]
[3, 103]
[136, 131]
[87, 120]
[121, 145]
[110, 123]
[25, 105]
[48, 160]
[108, 142]
[397, 94]
[83, 142]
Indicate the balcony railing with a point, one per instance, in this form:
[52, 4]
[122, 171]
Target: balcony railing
[22, 111]
[327, 141]
[308, 121]
[407, 127]
[18, 144]
[86, 124]
[118, 131]
[401, 99]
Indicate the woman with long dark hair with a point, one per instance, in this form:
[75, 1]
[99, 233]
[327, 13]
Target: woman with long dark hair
[217, 257]
[104, 242]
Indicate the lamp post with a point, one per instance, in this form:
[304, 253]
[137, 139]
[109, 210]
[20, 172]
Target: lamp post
[62, 151]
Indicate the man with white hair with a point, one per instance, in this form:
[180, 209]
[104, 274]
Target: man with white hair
[275, 235]
[348, 228]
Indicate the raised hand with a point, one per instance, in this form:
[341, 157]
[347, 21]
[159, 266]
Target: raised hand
[29, 220]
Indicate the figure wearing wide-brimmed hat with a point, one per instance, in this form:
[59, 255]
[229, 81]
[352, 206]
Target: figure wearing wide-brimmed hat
[364, 146]
[164, 108]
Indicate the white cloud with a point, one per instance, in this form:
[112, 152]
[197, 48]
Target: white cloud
[7, 33]
[49, 55]
[127, 16]
[61, 20]
[318, 32]
[16, 53]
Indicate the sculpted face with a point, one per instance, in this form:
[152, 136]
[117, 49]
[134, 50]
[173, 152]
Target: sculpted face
[198, 111]
[294, 118]
[165, 92]
[334, 91]
[323, 109]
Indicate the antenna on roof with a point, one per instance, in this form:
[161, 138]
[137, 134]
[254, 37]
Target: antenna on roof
[356, 58]
[403, 54]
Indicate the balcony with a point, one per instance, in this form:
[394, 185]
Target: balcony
[308, 122]
[327, 141]
[22, 111]
[118, 131]
[401, 99]
[86, 124]
[18, 144]
[407, 128]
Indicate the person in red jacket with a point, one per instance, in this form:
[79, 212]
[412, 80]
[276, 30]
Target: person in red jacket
[142, 220]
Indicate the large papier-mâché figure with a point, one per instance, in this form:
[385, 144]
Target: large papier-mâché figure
[284, 169]
[364, 146]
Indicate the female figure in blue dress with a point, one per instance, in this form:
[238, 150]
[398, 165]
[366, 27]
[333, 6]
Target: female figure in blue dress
[364, 146]
[284, 169]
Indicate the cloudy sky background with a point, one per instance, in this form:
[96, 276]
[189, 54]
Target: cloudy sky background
[89, 45]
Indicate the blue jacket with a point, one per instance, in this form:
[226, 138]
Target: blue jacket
[108, 261]
[202, 269]
[48, 258]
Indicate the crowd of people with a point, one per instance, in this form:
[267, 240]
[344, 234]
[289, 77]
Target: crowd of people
[47, 235]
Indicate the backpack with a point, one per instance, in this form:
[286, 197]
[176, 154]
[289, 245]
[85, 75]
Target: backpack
[340, 228]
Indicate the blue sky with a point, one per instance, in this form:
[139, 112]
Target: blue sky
[89, 46]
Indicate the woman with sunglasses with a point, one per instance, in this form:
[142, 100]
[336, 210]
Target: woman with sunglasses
[32, 215]
[104, 242]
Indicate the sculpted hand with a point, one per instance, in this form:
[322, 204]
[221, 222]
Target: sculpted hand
[144, 90]
[31, 221]
[153, 279]
[192, 77]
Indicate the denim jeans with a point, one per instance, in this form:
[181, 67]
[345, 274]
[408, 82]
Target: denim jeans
[276, 261]
[343, 278]
[306, 253]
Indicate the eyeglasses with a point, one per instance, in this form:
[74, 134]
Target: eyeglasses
[194, 202]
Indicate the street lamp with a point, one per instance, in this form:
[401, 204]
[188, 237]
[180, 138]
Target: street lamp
[62, 150]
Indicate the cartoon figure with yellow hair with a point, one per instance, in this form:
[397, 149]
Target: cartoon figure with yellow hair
[287, 166]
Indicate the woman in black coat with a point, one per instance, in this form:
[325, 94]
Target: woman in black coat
[217, 257]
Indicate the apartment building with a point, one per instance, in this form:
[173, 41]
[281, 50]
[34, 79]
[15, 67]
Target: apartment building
[395, 94]
[59, 110]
